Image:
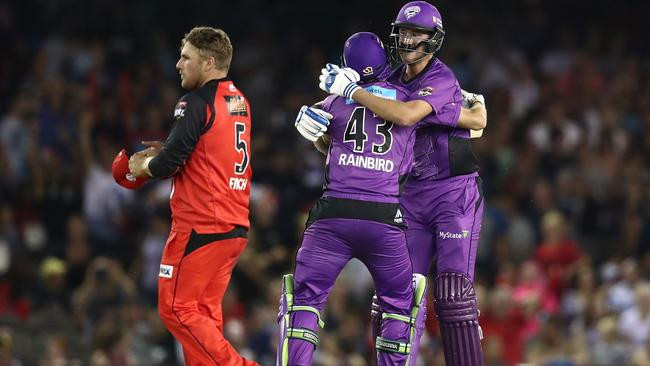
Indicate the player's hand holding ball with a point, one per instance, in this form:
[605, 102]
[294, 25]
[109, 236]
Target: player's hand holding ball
[312, 122]
[339, 81]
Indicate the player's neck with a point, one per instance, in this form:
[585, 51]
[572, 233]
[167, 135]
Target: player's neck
[213, 75]
[412, 70]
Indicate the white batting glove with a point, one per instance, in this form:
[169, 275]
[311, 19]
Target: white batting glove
[339, 81]
[312, 122]
[470, 98]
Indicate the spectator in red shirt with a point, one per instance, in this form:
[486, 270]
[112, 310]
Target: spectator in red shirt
[557, 253]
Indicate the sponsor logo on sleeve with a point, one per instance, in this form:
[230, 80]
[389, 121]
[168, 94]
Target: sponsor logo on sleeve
[236, 105]
[378, 91]
[179, 111]
[425, 92]
[166, 271]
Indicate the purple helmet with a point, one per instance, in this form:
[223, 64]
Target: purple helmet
[364, 52]
[422, 16]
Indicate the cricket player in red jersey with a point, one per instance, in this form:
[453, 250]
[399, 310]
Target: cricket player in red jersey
[207, 155]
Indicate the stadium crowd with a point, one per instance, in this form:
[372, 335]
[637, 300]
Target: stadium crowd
[563, 268]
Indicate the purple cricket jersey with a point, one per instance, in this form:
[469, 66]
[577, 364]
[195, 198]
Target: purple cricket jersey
[369, 158]
[441, 149]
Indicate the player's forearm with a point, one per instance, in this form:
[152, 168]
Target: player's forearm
[398, 112]
[323, 144]
[474, 118]
[165, 164]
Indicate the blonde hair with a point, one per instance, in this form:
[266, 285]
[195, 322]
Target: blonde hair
[211, 42]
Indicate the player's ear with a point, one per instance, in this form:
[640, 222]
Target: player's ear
[209, 64]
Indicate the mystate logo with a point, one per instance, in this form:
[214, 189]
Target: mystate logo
[450, 235]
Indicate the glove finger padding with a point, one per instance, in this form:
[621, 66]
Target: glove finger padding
[351, 74]
[319, 116]
[307, 134]
[314, 117]
[312, 127]
[312, 123]
[321, 83]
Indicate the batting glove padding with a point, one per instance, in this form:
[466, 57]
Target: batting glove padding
[339, 81]
[312, 122]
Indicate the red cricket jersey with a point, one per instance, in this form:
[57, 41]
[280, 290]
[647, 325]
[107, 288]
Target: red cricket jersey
[208, 155]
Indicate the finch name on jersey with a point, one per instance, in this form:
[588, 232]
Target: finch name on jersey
[238, 184]
[366, 162]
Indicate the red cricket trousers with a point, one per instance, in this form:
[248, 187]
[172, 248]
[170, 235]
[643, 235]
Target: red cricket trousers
[194, 273]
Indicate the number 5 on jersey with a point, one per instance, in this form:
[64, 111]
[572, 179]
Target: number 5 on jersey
[242, 147]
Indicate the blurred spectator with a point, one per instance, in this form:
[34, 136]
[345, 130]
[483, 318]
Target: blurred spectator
[621, 295]
[105, 289]
[610, 348]
[550, 346]
[6, 349]
[635, 321]
[557, 254]
[111, 346]
[77, 251]
[51, 292]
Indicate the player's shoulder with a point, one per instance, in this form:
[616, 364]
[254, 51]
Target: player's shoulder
[440, 73]
[207, 92]
[396, 73]
[228, 87]
[401, 91]
[328, 102]
[198, 96]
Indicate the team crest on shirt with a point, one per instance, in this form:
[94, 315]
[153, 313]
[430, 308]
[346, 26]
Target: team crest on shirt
[411, 11]
[179, 111]
[425, 91]
[236, 105]
[367, 71]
